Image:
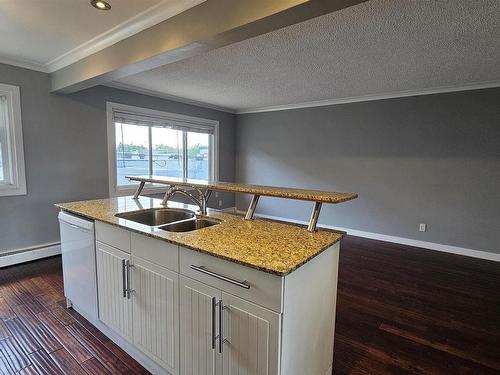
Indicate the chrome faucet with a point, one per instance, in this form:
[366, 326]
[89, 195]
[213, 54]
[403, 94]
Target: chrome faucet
[200, 202]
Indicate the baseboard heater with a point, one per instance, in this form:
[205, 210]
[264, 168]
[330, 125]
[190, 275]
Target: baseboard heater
[12, 257]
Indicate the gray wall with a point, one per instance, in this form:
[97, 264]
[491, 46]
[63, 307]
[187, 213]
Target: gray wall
[431, 159]
[66, 152]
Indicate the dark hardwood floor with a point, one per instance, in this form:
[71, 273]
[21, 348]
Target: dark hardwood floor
[400, 310]
[404, 310]
[38, 335]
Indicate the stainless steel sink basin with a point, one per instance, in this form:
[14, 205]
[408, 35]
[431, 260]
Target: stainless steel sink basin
[157, 216]
[189, 225]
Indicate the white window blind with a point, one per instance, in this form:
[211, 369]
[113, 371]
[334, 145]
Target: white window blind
[162, 122]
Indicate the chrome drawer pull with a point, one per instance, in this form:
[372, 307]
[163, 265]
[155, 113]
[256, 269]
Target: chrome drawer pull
[202, 269]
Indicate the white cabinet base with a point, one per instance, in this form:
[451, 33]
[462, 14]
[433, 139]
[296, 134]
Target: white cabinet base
[310, 296]
[198, 327]
[266, 325]
[155, 305]
[128, 347]
[252, 334]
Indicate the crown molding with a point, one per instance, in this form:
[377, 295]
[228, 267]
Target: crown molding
[366, 98]
[148, 18]
[319, 103]
[157, 94]
[21, 63]
[160, 12]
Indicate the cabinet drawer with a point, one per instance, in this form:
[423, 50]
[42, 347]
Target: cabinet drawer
[156, 251]
[111, 235]
[264, 288]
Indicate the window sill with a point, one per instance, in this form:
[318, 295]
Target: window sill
[12, 190]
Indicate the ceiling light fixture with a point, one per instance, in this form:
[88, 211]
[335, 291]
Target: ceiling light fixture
[100, 4]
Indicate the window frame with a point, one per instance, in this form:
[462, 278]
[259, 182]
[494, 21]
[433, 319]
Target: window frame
[111, 107]
[16, 184]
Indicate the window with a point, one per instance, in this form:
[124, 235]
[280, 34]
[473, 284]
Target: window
[147, 142]
[12, 174]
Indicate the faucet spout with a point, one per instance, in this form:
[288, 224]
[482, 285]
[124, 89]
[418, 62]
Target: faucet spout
[201, 202]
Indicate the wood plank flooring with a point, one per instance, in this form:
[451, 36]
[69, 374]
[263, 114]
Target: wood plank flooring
[404, 310]
[400, 310]
[38, 335]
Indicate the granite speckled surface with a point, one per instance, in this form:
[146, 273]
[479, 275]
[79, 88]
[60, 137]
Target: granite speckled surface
[270, 191]
[266, 245]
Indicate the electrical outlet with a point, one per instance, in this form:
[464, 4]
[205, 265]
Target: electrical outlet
[220, 202]
[216, 194]
[422, 227]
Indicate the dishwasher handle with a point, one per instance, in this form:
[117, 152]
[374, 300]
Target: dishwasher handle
[75, 221]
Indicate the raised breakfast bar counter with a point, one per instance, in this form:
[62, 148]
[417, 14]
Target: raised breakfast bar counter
[205, 188]
[261, 190]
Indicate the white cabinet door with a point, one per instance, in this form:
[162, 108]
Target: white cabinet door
[198, 327]
[115, 310]
[251, 335]
[155, 304]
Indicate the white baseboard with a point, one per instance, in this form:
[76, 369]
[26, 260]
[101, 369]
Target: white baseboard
[425, 244]
[30, 253]
[400, 240]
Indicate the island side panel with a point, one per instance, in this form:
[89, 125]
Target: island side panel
[310, 295]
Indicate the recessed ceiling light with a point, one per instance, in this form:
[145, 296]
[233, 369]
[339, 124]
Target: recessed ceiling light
[100, 4]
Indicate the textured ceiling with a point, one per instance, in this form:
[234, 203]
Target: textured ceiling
[381, 46]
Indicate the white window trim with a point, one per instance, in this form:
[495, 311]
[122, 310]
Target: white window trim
[115, 191]
[14, 142]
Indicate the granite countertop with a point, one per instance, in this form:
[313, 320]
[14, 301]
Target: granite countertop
[266, 245]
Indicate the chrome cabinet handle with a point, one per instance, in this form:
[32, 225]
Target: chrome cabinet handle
[129, 289]
[214, 336]
[221, 338]
[202, 269]
[221, 327]
[124, 279]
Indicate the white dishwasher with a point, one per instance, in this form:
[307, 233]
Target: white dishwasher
[79, 263]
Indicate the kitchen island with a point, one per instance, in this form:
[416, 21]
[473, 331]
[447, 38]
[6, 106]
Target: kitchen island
[235, 297]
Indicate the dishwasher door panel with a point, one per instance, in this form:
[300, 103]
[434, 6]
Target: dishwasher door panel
[79, 266]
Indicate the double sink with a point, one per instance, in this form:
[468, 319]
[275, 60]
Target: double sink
[168, 219]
